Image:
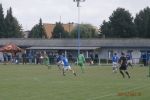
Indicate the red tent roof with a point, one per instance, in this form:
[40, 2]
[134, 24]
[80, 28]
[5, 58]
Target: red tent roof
[10, 47]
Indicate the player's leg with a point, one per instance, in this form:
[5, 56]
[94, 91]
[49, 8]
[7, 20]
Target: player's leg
[117, 66]
[114, 67]
[73, 72]
[64, 70]
[81, 67]
[61, 64]
[48, 65]
[127, 73]
[122, 73]
[121, 70]
[58, 65]
[129, 63]
[125, 70]
[70, 69]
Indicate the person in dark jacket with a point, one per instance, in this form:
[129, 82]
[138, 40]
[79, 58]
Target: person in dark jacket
[123, 67]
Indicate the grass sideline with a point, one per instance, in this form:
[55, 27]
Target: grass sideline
[37, 82]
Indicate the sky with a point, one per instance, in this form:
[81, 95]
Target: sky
[28, 12]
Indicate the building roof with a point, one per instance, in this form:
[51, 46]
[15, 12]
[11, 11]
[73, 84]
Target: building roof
[64, 48]
[135, 42]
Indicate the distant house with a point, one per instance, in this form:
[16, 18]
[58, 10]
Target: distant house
[26, 33]
[49, 28]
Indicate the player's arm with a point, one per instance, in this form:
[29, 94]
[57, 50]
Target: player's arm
[120, 61]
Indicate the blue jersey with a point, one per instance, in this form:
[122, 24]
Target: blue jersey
[65, 61]
[114, 58]
[59, 58]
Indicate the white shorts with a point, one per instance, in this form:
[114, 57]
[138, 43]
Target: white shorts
[129, 61]
[60, 63]
[67, 68]
[115, 64]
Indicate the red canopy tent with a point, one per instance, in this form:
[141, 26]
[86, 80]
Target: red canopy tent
[11, 48]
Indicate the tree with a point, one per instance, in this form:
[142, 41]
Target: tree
[105, 29]
[142, 23]
[86, 31]
[120, 25]
[2, 22]
[13, 29]
[59, 31]
[37, 31]
[41, 29]
[34, 32]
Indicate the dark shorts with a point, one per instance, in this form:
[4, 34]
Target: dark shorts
[123, 67]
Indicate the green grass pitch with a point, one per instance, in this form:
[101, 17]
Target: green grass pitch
[37, 82]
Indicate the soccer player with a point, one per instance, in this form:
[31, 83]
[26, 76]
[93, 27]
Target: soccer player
[123, 67]
[66, 66]
[115, 62]
[81, 61]
[59, 61]
[129, 60]
[46, 60]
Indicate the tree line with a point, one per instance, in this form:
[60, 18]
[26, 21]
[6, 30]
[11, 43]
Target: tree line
[122, 24]
[9, 26]
[86, 30]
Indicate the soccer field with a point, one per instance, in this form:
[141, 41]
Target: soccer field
[37, 82]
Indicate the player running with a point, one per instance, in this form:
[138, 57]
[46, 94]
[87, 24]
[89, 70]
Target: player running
[115, 62]
[46, 60]
[66, 66]
[60, 61]
[81, 61]
[129, 60]
[123, 67]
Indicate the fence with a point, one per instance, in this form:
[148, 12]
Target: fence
[73, 60]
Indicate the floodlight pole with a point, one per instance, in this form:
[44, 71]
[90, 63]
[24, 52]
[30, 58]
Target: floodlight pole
[78, 5]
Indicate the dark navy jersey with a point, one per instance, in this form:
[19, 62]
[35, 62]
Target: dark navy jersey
[123, 59]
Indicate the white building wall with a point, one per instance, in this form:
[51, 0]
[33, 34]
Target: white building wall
[104, 53]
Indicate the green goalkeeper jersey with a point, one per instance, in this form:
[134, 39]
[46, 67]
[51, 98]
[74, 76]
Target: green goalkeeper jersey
[81, 58]
[46, 60]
